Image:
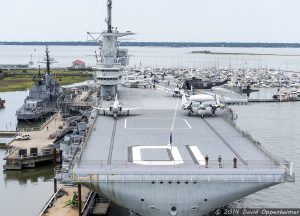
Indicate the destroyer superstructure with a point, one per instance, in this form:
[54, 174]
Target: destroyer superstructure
[112, 59]
[42, 98]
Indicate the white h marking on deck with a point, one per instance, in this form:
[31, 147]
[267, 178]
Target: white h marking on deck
[137, 157]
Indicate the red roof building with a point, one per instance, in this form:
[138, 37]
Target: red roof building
[78, 64]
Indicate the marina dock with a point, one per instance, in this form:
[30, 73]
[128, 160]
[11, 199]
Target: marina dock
[39, 148]
[270, 100]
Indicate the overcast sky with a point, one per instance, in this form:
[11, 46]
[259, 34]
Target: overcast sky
[153, 20]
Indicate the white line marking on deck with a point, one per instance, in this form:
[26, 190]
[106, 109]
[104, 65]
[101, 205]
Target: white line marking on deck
[198, 155]
[157, 128]
[137, 157]
[187, 124]
[125, 124]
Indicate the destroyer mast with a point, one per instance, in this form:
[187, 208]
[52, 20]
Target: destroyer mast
[111, 62]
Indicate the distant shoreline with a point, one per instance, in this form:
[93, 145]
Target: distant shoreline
[159, 44]
[206, 52]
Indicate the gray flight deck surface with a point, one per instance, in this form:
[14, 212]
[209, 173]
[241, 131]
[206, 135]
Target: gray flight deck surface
[151, 126]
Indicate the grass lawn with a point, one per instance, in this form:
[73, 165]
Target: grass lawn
[23, 82]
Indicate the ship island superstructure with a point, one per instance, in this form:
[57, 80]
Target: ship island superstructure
[153, 161]
[112, 59]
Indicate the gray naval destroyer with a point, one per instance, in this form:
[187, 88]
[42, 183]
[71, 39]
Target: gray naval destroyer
[42, 97]
[152, 161]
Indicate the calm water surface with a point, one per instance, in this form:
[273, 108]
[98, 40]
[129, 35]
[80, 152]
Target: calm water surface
[277, 127]
[160, 56]
[24, 193]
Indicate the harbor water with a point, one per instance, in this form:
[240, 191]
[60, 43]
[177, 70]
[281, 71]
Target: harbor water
[275, 125]
[281, 58]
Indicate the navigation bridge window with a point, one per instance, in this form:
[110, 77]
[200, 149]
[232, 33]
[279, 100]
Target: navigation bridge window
[102, 78]
[109, 70]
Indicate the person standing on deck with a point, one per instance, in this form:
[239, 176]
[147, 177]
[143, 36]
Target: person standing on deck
[206, 161]
[220, 161]
[234, 162]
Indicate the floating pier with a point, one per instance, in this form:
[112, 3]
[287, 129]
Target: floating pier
[39, 148]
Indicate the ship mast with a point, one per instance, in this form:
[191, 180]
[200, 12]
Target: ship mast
[47, 61]
[108, 71]
[108, 21]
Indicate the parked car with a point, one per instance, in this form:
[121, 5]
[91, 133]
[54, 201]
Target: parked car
[23, 137]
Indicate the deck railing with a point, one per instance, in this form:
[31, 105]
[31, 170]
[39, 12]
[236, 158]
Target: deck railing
[38, 128]
[180, 178]
[225, 164]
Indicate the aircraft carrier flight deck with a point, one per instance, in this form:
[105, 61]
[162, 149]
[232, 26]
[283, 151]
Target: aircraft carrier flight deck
[121, 141]
[153, 161]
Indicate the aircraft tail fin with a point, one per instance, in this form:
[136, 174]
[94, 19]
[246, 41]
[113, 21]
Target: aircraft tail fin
[116, 98]
[217, 100]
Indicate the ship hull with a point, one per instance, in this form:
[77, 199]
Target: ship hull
[30, 116]
[184, 199]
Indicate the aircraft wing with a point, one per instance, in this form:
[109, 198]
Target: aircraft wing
[101, 109]
[139, 83]
[169, 91]
[130, 109]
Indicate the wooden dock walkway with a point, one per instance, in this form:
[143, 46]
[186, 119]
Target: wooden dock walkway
[26, 153]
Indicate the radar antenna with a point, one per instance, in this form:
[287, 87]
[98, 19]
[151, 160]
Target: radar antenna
[108, 21]
[47, 61]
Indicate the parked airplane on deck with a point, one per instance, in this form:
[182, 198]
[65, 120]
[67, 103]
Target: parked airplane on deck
[116, 109]
[201, 104]
[196, 83]
[177, 92]
[163, 74]
[135, 82]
